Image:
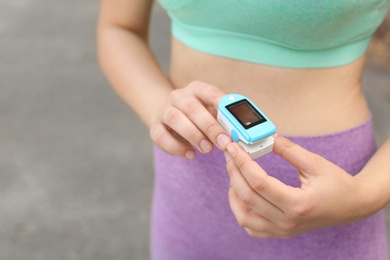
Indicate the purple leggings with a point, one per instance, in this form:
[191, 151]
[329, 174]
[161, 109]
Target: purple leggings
[192, 219]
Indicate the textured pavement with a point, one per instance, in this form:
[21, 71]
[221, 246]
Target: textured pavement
[75, 163]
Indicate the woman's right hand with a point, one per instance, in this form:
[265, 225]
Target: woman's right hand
[188, 121]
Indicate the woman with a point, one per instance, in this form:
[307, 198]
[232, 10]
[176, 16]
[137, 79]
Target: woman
[301, 62]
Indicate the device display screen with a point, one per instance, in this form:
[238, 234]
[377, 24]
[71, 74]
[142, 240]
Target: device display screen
[245, 113]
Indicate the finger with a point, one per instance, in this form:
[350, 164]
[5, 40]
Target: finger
[249, 197]
[259, 234]
[212, 111]
[179, 123]
[245, 216]
[207, 93]
[210, 95]
[302, 159]
[201, 117]
[254, 224]
[170, 144]
[273, 190]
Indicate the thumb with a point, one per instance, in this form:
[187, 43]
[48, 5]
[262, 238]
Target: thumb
[302, 159]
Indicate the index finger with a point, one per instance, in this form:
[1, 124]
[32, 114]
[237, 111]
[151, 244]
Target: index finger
[195, 108]
[267, 186]
[207, 93]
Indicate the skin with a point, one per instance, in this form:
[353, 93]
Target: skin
[181, 114]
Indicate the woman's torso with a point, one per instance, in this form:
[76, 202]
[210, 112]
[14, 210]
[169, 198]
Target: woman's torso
[299, 101]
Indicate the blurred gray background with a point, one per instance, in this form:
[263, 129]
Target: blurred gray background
[76, 172]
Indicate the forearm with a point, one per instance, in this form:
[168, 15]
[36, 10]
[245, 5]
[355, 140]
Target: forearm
[132, 70]
[376, 178]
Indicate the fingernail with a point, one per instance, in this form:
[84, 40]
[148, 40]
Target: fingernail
[287, 142]
[232, 150]
[205, 145]
[227, 155]
[190, 155]
[223, 140]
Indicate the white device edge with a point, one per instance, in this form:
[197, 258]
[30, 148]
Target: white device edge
[255, 150]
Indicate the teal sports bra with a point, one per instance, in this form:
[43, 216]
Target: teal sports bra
[283, 33]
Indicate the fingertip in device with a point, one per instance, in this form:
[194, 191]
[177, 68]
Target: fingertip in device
[246, 124]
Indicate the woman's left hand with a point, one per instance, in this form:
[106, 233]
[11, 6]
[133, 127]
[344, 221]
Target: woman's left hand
[266, 207]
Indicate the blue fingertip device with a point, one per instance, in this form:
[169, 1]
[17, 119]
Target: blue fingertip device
[246, 124]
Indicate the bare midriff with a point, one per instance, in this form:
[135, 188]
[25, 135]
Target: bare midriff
[301, 102]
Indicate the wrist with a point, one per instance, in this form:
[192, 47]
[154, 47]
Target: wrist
[369, 194]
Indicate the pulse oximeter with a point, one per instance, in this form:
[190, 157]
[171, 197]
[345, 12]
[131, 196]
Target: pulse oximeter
[246, 124]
